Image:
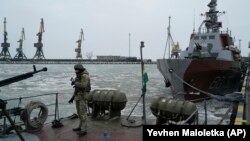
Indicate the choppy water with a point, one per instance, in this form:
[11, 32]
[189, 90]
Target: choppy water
[123, 77]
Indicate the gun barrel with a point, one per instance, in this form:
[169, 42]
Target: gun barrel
[43, 69]
[19, 77]
[15, 79]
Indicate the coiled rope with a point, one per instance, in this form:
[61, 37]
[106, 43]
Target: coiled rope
[34, 124]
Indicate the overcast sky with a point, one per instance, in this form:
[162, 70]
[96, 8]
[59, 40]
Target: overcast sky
[107, 24]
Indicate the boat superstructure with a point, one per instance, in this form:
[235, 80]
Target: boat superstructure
[211, 63]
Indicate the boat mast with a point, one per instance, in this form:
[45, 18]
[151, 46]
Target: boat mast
[169, 35]
[169, 40]
[240, 44]
[211, 21]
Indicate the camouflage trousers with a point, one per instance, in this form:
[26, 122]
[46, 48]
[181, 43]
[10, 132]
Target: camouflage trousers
[81, 109]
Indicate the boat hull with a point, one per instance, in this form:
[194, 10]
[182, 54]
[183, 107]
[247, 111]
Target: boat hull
[194, 78]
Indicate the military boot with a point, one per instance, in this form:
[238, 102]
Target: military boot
[77, 129]
[82, 133]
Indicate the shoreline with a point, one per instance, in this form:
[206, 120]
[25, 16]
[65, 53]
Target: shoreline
[70, 61]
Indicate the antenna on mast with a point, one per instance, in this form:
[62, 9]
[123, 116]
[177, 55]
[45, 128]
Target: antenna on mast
[194, 22]
[240, 44]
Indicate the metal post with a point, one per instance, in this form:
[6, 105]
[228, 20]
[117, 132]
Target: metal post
[129, 45]
[143, 93]
[205, 107]
[169, 36]
[248, 99]
[248, 108]
[134, 107]
[56, 108]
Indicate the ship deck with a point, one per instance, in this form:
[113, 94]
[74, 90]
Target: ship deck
[98, 130]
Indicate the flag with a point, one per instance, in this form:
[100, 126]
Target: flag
[145, 80]
[145, 77]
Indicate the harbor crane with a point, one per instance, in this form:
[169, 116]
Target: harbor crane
[78, 49]
[5, 54]
[20, 54]
[39, 45]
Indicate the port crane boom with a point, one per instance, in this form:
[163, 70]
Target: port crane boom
[39, 45]
[79, 42]
[5, 54]
[20, 54]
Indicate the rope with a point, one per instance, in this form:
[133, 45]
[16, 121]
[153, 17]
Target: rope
[26, 97]
[226, 114]
[36, 123]
[181, 122]
[232, 97]
[185, 121]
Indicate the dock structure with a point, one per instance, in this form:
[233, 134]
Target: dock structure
[68, 61]
[243, 113]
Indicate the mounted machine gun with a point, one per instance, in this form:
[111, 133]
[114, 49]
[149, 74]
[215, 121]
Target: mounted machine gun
[3, 103]
[20, 77]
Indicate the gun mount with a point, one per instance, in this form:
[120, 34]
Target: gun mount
[3, 103]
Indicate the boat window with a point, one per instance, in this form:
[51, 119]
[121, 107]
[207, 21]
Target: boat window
[209, 46]
[211, 37]
[204, 37]
[196, 37]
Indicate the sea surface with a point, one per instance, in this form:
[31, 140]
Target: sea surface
[124, 77]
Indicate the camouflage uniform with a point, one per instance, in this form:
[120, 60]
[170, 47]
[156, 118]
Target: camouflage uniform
[81, 92]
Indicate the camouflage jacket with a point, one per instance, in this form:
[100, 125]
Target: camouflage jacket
[82, 86]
